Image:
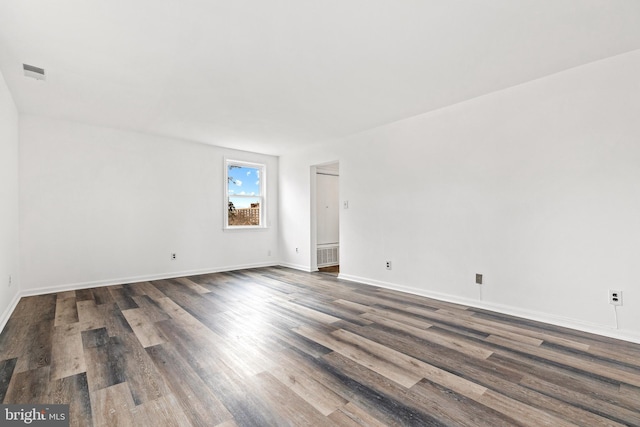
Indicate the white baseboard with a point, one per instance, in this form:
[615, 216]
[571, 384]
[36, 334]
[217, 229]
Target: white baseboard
[136, 279]
[513, 311]
[119, 281]
[504, 309]
[300, 267]
[7, 313]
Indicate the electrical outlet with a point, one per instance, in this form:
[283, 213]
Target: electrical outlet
[615, 297]
[269, 252]
[297, 250]
[9, 280]
[345, 204]
[388, 265]
[173, 256]
[479, 279]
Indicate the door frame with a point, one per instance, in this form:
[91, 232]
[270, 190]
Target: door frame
[313, 220]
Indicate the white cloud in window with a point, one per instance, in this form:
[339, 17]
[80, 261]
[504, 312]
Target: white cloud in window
[248, 173]
[238, 183]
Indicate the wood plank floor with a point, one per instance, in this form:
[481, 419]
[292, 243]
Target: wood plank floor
[276, 347]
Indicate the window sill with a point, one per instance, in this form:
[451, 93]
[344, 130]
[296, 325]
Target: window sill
[245, 228]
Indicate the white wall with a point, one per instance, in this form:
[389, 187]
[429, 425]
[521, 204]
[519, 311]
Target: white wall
[536, 187]
[9, 244]
[99, 205]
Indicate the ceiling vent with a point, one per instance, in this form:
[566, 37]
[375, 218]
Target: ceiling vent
[34, 72]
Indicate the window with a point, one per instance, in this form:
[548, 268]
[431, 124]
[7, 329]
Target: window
[245, 194]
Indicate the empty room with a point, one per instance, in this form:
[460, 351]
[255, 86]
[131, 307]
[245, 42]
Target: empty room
[293, 213]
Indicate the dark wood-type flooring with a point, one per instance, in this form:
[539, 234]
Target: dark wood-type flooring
[334, 270]
[276, 347]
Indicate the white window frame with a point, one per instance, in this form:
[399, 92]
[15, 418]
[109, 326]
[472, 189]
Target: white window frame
[262, 167]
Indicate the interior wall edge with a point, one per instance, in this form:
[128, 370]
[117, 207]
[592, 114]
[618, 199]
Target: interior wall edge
[4, 318]
[537, 316]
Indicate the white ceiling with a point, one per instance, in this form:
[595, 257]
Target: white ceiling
[271, 75]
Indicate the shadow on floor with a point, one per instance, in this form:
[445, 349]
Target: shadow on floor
[333, 270]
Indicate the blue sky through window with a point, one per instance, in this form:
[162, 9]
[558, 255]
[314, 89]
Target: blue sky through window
[245, 181]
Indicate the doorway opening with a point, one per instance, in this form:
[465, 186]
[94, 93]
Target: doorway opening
[325, 218]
